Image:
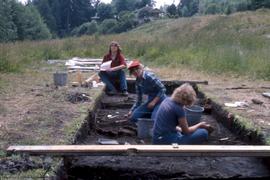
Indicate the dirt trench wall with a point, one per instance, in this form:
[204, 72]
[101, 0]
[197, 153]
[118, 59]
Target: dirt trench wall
[236, 124]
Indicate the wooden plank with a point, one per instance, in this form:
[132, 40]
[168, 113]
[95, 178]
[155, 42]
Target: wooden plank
[78, 63]
[91, 78]
[144, 150]
[83, 68]
[241, 87]
[87, 59]
[183, 81]
[87, 63]
[175, 81]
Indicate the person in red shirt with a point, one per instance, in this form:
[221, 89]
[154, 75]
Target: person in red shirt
[115, 72]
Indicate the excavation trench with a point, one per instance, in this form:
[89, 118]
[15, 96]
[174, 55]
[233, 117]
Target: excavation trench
[108, 121]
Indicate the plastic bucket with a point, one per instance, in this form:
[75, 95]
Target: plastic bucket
[145, 128]
[60, 79]
[193, 114]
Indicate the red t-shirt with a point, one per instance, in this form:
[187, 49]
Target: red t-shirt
[119, 60]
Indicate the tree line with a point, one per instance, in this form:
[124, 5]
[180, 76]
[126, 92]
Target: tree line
[18, 22]
[187, 8]
[45, 19]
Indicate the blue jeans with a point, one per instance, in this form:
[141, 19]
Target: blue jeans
[197, 137]
[143, 112]
[108, 79]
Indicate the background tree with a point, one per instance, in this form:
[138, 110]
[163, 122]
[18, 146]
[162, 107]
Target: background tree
[75, 13]
[104, 11]
[46, 12]
[8, 30]
[18, 22]
[126, 21]
[88, 28]
[33, 27]
[256, 4]
[142, 3]
[171, 10]
[187, 8]
[108, 26]
[124, 5]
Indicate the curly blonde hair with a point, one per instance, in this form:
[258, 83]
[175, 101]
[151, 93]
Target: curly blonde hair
[184, 94]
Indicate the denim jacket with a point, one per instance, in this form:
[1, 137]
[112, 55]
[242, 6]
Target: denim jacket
[150, 85]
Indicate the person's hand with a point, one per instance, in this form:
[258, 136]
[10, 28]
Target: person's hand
[128, 114]
[207, 126]
[151, 105]
[178, 128]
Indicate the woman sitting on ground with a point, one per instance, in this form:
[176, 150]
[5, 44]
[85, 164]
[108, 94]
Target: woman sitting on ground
[171, 125]
[115, 72]
[146, 83]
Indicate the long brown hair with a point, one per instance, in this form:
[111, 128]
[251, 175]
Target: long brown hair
[118, 47]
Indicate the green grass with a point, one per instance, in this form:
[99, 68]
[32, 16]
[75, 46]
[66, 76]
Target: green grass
[235, 44]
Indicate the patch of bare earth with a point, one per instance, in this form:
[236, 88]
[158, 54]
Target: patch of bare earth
[34, 111]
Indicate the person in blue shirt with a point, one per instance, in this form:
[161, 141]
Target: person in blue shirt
[170, 124]
[146, 83]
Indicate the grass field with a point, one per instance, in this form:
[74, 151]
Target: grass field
[238, 44]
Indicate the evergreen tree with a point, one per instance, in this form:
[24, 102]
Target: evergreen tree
[188, 7]
[33, 27]
[171, 10]
[142, 3]
[45, 11]
[108, 26]
[56, 13]
[126, 21]
[81, 12]
[124, 5]
[256, 4]
[74, 13]
[88, 28]
[8, 30]
[104, 11]
[19, 19]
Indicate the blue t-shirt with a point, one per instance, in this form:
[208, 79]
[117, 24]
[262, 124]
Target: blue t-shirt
[167, 117]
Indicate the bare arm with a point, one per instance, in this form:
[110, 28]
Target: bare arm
[188, 130]
[116, 68]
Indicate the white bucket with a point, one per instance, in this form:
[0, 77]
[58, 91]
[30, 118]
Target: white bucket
[194, 114]
[145, 128]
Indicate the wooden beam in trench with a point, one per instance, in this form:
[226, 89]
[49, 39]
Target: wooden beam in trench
[144, 150]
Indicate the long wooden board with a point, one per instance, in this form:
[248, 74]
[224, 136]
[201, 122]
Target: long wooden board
[86, 59]
[83, 68]
[144, 150]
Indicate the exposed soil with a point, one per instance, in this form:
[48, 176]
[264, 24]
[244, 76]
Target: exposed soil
[229, 89]
[109, 124]
[34, 111]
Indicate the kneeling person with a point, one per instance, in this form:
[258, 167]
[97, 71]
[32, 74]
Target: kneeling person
[146, 83]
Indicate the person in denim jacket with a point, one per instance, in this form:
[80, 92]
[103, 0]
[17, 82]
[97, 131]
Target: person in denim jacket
[146, 83]
[115, 72]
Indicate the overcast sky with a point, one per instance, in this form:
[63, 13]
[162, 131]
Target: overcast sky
[158, 2]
